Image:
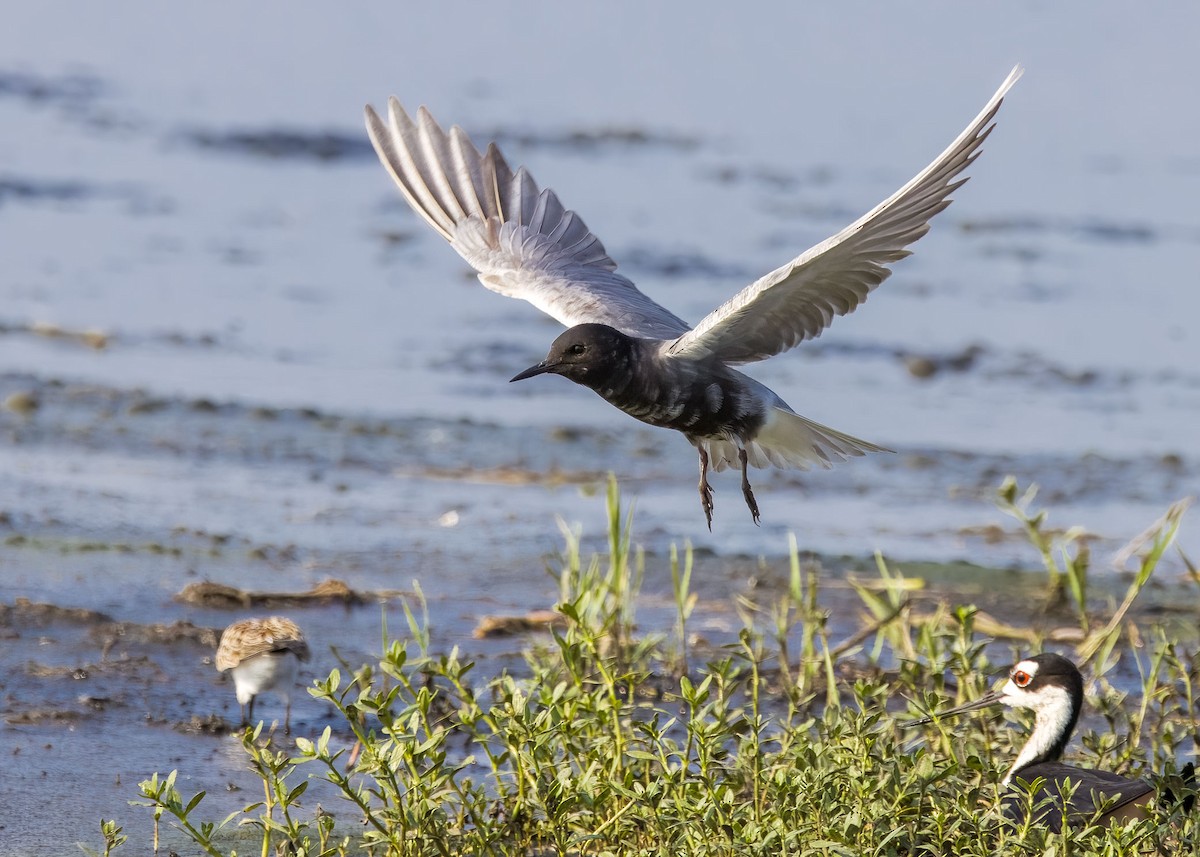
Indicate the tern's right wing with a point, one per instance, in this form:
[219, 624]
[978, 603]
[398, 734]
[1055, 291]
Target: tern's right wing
[522, 241]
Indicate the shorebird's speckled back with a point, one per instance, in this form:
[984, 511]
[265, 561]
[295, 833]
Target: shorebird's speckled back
[250, 637]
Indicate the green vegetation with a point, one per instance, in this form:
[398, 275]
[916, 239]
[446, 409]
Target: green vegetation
[783, 742]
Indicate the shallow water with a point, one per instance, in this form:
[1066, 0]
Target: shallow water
[289, 377]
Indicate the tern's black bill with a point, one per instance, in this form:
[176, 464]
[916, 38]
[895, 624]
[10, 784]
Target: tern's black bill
[988, 699]
[539, 369]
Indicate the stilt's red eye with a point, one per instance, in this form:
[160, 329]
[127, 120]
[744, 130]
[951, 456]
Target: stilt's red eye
[1021, 678]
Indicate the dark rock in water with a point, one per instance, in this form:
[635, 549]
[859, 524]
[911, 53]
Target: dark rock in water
[507, 626]
[920, 367]
[24, 611]
[157, 634]
[283, 144]
[22, 402]
[68, 89]
[591, 139]
[13, 188]
[41, 716]
[208, 594]
[926, 366]
[208, 724]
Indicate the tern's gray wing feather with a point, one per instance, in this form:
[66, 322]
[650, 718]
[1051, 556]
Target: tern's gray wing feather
[800, 299]
[520, 239]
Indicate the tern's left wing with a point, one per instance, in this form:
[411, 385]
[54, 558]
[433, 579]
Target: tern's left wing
[799, 300]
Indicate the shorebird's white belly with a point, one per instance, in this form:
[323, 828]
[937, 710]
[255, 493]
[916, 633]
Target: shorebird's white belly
[270, 671]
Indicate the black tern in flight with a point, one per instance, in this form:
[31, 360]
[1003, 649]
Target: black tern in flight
[636, 354]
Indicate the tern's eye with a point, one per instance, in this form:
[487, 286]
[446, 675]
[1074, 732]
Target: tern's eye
[577, 348]
[1021, 678]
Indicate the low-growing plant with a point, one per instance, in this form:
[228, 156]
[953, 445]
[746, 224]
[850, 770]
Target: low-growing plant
[782, 742]
[113, 836]
[1066, 555]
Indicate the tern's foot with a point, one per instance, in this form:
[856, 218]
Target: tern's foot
[748, 493]
[706, 502]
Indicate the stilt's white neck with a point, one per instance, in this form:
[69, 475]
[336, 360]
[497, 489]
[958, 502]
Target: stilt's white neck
[1054, 718]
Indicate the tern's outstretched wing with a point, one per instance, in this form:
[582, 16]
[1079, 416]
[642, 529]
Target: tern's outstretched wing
[799, 300]
[522, 241]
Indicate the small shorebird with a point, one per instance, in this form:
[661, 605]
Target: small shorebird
[1052, 687]
[263, 654]
[634, 353]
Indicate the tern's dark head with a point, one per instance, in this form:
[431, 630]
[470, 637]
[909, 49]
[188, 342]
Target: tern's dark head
[588, 354]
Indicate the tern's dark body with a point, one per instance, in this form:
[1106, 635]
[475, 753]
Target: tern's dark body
[703, 398]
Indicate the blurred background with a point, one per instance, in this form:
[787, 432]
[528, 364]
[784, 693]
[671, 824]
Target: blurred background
[224, 335]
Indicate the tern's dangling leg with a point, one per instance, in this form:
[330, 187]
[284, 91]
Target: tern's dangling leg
[706, 501]
[747, 492]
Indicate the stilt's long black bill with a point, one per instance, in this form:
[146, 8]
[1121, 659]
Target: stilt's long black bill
[988, 699]
[539, 369]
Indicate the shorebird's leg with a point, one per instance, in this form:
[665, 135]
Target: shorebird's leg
[287, 716]
[706, 502]
[747, 491]
[248, 713]
[245, 720]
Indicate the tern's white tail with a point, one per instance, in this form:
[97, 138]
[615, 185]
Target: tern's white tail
[789, 440]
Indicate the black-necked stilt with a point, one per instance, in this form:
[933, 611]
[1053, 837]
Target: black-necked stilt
[636, 354]
[264, 654]
[1052, 687]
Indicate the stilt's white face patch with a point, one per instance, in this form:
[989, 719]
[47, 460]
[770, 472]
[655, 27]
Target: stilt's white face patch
[1019, 678]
